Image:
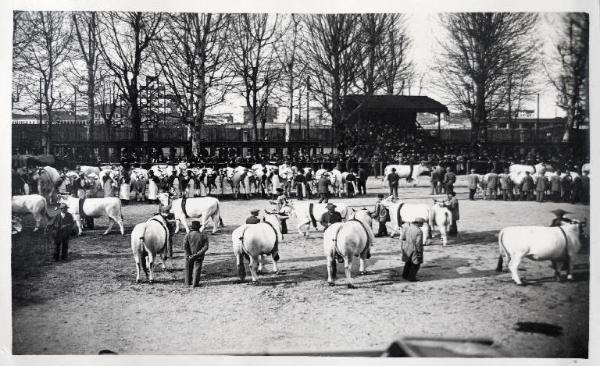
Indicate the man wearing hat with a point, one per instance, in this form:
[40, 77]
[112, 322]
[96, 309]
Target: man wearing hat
[195, 246]
[449, 180]
[382, 215]
[412, 249]
[253, 219]
[393, 179]
[61, 227]
[281, 202]
[323, 188]
[331, 216]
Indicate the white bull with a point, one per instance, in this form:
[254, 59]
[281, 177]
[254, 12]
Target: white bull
[255, 240]
[404, 171]
[441, 218]
[539, 243]
[301, 210]
[347, 240]
[407, 212]
[199, 207]
[96, 207]
[147, 239]
[33, 204]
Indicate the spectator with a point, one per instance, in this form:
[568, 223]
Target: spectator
[473, 182]
[393, 180]
[362, 180]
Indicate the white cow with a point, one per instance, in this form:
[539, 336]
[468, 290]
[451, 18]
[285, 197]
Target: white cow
[202, 208]
[33, 204]
[149, 238]
[301, 210]
[87, 170]
[96, 207]
[407, 212]
[539, 243]
[404, 171]
[441, 218]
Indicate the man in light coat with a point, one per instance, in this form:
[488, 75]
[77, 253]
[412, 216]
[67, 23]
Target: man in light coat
[412, 250]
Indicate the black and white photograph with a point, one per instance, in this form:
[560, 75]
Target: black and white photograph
[357, 182]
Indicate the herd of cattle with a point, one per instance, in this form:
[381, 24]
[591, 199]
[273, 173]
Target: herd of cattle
[350, 239]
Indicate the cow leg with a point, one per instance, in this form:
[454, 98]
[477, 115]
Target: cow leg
[253, 268]
[275, 268]
[150, 267]
[119, 222]
[176, 226]
[162, 261]
[240, 265]
[111, 222]
[330, 270]
[556, 272]
[513, 265]
[444, 235]
[187, 228]
[38, 219]
[136, 257]
[347, 270]
[362, 263]
[79, 225]
[260, 261]
[426, 231]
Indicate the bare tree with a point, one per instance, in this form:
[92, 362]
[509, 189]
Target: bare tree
[254, 62]
[572, 81]
[192, 57]
[107, 95]
[125, 48]
[86, 34]
[332, 60]
[480, 53]
[394, 66]
[292, 69]
[44, 56]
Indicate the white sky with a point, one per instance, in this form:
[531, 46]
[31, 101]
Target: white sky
[425, 30]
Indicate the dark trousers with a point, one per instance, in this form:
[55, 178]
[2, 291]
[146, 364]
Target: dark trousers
[284, 229]
[324, 197]
[453, 228]
[61, 246]
[299, 190]
[434, 187]
[472, 194]
[449, 188]
[382, 230]
[362, 187]
[394, 190]
[192, 271]
[540, 196]
[308, 191]
[410, 271]
[507, 194]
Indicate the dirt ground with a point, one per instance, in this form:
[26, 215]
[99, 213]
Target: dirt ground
[92, 302]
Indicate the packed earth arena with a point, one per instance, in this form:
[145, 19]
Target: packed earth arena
[418, 251]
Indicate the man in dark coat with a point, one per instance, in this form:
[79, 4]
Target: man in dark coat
[61, 227]
[435, 180]
[323, 188]
[331, 216]
[308, 177]
[492, 185]
[350, 180]
[449, 180]
[195, 246]
[362, 180]
[299, 180]
[381, 214]
[253, 219]
[412, 250]
[393, 179]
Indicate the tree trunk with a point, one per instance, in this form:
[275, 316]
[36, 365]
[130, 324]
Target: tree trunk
[479, 117]
[91, 104]
[136, 117]
[50, 115]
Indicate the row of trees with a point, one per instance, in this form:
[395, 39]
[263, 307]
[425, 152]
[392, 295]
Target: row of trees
[487, 63]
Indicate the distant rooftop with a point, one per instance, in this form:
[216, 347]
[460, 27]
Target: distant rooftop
[397, 102]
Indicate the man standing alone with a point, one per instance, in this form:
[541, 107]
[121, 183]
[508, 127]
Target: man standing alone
[452, 204]
[195, 246]
[362, 181]
[449, 180]
[323, 188]
[393, 179]
[381, 214]
[412, 250]
[61, 227]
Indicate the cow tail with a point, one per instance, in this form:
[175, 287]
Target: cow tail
[501, 251]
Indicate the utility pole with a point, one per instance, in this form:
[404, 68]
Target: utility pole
[75, 102]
